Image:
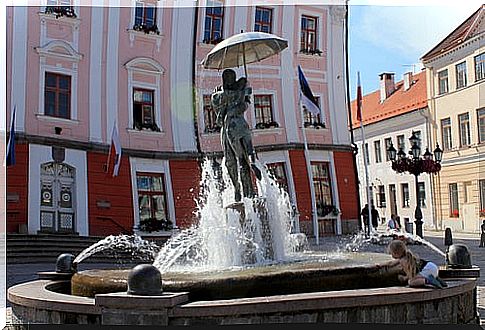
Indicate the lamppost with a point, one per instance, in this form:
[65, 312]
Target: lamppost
[415, 164]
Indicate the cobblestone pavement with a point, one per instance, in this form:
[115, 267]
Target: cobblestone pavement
[19, 273]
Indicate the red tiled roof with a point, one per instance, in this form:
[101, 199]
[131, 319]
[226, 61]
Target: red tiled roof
[465, 31]
[396, 104]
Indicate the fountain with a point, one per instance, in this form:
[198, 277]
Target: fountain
[238, 264]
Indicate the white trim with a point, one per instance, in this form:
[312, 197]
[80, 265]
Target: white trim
[288, 86]
[73, 73]
[240, 19]
[39, 154]
[151, 166]
[181, 99]
[138, 34]
[112, 61]
[95, 76]
[19, 65]
[157, 71]
[225, 21]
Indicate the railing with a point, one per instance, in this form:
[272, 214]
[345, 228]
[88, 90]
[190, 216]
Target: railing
[117, 224]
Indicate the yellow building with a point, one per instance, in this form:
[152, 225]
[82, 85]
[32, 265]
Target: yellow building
[455, 74]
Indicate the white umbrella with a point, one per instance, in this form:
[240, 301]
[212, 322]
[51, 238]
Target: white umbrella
[243, 48]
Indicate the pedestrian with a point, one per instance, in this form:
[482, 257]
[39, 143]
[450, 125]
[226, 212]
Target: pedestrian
[375, 217]
[418, 272]
[365, 217]
[391, 223]
[398, 223]
[482, 236]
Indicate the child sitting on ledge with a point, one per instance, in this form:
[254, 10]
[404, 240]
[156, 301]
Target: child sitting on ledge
[419, 272]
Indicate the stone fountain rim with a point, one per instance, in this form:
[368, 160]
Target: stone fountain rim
[37, 294]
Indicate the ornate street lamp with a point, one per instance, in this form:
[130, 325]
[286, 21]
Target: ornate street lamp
[416, 164]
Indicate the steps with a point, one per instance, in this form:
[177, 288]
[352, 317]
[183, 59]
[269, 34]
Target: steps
[45, 248]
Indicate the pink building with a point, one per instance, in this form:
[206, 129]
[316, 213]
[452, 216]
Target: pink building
[72, 71]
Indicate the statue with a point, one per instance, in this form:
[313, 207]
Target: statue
[230, 101]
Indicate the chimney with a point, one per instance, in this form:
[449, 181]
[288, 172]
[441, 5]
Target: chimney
[408, 80]
[387, 85]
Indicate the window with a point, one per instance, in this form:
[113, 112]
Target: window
[481, 187]
[278, 173]
[464, 122]
[263, 19]
[145, 17]
[263, 111]
[310, 118]
[418, 135]
[480, 67]
[377, 150]
[60, 8]
[443, 81]
[308, 39]
[446, 133]
[387, 143]
[214, 18]
[210, 116]
[381, 196]
[481, 125]
[421, 194]
[57, 97]
[143, 109]
[460, 75]
[454, 208]
[366, 153]
[405, 194]
[401, 143]
[151, 196]
[323, 187]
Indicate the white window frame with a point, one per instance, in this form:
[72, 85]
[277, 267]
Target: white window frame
[157, 166]
[274, 22]
[74, 22]
[319, 40]
[157, 71]
[225, 21]
[275, 114]
[74, 58]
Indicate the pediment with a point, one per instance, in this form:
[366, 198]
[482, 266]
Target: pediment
[145, 64]
[59, 48]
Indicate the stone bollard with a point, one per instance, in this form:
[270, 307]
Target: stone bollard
[144, 303]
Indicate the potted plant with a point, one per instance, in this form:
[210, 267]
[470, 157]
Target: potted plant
[153, 224]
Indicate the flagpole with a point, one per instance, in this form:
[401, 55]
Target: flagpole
[366, 165]
[310, 174]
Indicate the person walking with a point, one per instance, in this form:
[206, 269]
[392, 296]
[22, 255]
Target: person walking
[482, 236]
[375, 217]
[365, 217]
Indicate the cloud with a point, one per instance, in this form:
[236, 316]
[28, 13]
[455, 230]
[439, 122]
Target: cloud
[409, 30]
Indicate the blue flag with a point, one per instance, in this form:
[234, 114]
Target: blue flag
[10, 160]
[307, 99]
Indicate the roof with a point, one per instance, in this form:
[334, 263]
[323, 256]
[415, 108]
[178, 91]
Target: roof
[467, 30]
[398, 103]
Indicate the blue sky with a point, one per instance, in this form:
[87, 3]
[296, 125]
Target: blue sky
[393, 38]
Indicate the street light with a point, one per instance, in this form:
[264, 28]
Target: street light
[416, 165]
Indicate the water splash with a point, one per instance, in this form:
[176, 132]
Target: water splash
[138, 247]
[220, 240]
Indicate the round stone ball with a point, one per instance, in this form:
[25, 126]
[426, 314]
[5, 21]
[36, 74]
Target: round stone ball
[64, 263]
[145, 280]
[459, 256]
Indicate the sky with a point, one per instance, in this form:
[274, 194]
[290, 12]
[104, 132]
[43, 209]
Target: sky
[385, 38]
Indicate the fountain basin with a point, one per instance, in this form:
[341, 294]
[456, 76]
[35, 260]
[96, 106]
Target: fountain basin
[41, 302]
[316, 273]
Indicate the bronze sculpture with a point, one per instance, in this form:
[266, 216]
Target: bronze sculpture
[230, 101]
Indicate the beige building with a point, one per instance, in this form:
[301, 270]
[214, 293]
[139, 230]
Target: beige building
[455, 75]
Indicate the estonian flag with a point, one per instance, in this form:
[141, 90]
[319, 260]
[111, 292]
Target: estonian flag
[114, 155]
[307, 98]
[10, 158]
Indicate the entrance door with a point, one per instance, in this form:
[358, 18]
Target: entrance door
[392, 199]
[57, 207]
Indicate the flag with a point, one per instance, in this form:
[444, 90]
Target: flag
[10, 158]
[114, 155]
[307, 98]
[359, 99]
